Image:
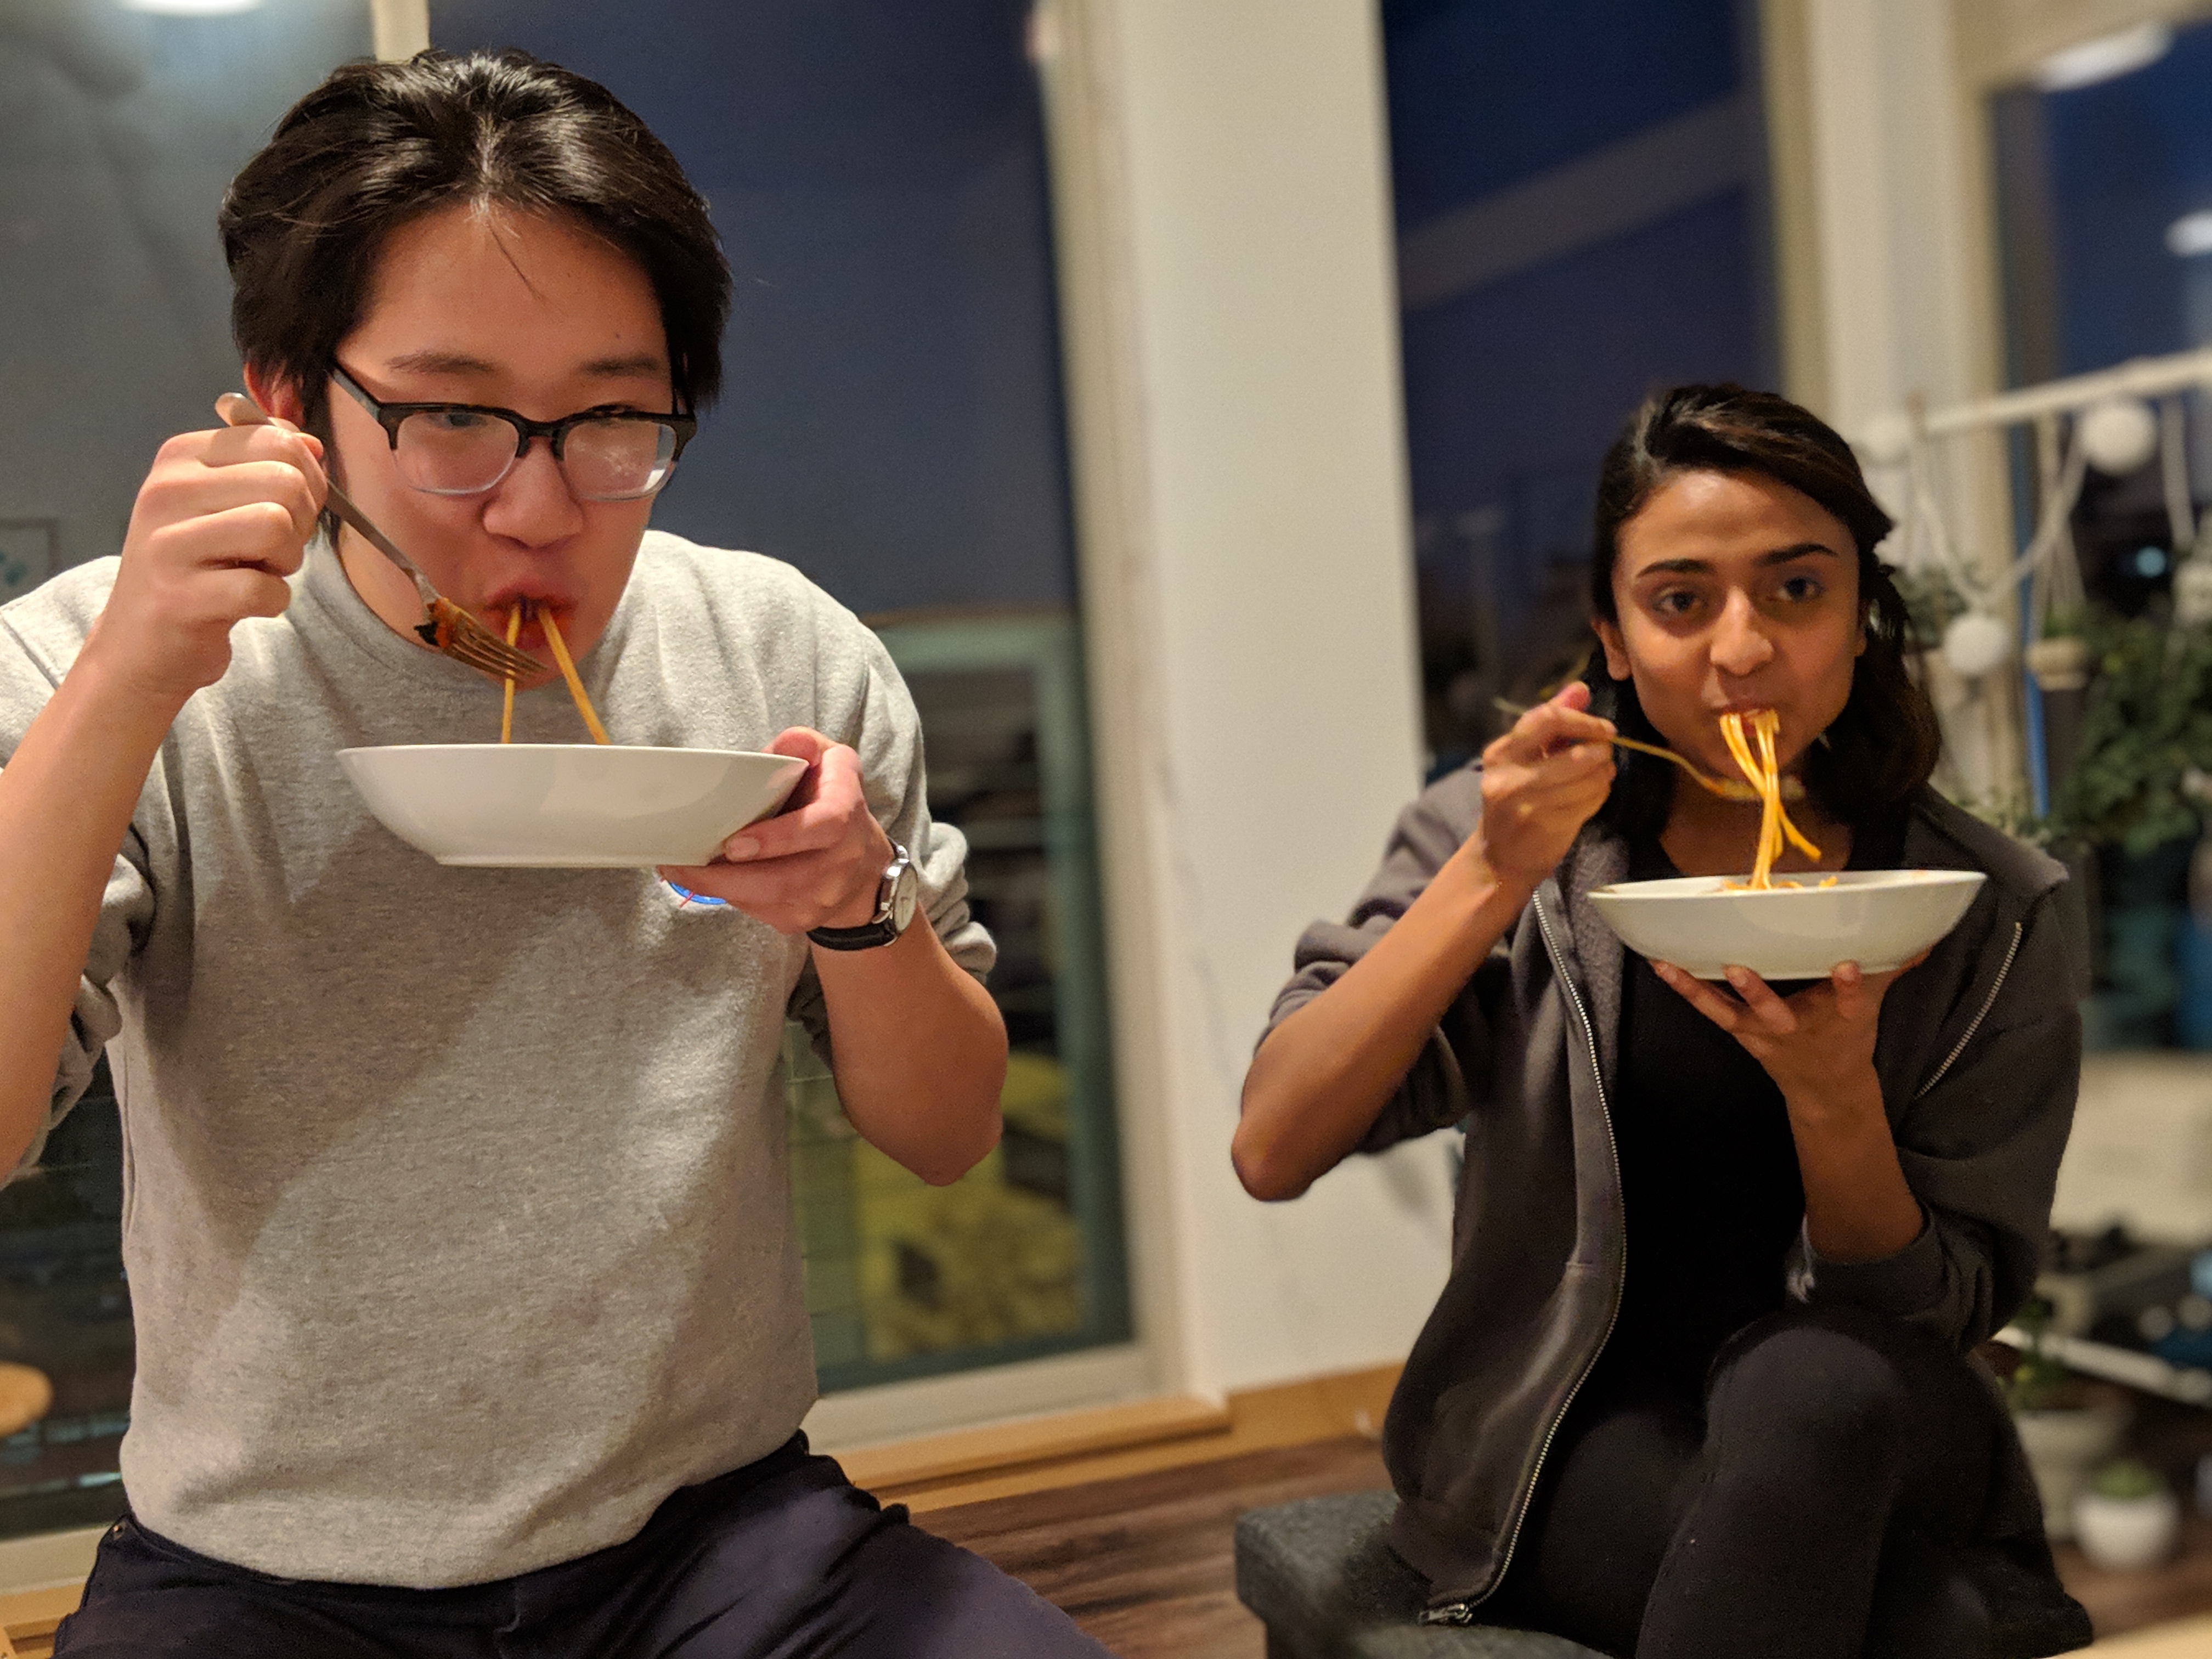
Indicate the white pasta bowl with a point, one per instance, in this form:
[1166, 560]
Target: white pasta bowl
[1797, 929]
[568, 806]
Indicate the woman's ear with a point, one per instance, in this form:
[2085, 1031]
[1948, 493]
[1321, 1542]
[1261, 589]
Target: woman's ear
[1616, 648]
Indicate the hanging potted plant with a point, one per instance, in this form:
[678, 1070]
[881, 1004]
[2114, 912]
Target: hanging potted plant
[2061, 659]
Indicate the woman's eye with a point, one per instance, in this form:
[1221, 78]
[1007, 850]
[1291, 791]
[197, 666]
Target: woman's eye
[1675, 602]
[1799, 589]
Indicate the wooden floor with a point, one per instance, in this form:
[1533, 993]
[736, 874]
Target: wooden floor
[1145, 1564]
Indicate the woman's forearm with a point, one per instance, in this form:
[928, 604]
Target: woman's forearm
[1323, 1076]
[1857, 1205]
[66, 797]
[919, 1051]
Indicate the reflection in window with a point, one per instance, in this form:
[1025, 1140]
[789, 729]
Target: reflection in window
[64, 1309]
[1021, 1257]
[118, 133]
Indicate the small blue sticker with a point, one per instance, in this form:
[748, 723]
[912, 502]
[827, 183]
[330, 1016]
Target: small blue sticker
[686, 898]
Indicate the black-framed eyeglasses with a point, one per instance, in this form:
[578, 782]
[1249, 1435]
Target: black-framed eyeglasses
[465, 449]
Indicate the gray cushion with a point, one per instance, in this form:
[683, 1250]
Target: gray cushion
[1323, 1578]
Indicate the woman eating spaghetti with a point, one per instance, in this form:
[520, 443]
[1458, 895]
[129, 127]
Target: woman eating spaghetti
[1699, 1383]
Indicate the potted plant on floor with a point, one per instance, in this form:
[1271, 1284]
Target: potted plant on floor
[2066, 1429]
[2129, 1518]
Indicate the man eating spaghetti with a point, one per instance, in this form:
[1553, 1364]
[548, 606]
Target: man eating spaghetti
[461, 1248]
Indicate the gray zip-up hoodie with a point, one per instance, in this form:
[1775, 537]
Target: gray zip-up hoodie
[1979, 1057]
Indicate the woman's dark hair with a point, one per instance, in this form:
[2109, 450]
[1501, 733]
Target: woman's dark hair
[379, 144]
[1886, 742]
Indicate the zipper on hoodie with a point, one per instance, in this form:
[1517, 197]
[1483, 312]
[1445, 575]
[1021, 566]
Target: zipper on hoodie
[1462, 1612]
[2004, 971]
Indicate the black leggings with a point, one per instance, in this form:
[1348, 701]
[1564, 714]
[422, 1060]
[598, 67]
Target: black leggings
[1808, 1508]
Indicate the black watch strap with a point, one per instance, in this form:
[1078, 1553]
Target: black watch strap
[894, 908]
[867, 936]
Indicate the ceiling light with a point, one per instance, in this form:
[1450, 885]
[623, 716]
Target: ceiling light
[2190, 234]
[2104, 58]
[191, 8]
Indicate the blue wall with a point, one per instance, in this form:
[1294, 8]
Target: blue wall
[891, 422]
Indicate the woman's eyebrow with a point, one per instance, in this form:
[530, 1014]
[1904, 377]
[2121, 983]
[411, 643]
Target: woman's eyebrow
[1798, 550]
[1704, 567]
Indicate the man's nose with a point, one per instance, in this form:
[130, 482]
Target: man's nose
[1739, 642]
[532, 504]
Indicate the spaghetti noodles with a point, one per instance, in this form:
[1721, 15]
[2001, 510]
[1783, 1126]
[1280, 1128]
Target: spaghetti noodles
[506, 700]
[568, 672]
[1765, 772]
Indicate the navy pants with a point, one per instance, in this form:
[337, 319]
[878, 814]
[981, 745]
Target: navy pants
[781, 1558]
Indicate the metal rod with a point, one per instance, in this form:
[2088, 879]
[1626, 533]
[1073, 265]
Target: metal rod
[2143, 377]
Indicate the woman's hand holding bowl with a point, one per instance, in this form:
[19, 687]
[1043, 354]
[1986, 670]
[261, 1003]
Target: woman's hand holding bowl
[1541, 782]
[1817, 1044]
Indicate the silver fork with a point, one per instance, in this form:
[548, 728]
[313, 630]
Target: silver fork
[445, 627]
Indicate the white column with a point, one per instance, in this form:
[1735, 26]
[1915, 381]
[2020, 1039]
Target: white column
[1225, 245]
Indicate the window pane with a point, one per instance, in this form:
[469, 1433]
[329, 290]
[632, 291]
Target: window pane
[119, 133]
[1023, 1257]
[2106, 200]
[1577, 190]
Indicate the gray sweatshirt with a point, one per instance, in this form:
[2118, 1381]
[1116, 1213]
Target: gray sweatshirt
[456, 1202]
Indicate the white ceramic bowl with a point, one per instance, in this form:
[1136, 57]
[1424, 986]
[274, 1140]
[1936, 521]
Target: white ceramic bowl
[1877, 918]
[574, 806]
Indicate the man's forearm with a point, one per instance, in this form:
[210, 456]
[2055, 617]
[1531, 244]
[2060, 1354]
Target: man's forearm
[919, 1051]
[66, 797]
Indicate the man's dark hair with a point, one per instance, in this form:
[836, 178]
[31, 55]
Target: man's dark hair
[379, 144]
[1886, 742]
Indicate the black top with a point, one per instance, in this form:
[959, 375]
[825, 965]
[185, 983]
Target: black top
[1708, 1169]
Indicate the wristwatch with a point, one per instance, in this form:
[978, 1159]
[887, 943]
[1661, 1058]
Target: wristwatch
[895, 900]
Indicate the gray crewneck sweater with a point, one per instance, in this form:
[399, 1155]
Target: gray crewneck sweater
[456, 1207]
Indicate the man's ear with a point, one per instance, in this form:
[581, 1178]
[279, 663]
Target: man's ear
[279, 398]
[1616, 647]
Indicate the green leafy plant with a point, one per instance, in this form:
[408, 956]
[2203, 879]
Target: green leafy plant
[2146, 735]
[1932, 600]
[2128, 1478]
[2041, 1381]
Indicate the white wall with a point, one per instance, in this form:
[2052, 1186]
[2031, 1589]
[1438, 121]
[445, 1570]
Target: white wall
[1227, 268]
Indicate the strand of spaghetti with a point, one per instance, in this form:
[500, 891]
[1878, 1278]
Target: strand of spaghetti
[568, 673]
[1770, 799]
[506, 700]
[1770, 723]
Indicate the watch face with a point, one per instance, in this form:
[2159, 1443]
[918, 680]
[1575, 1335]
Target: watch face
[904, 892]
